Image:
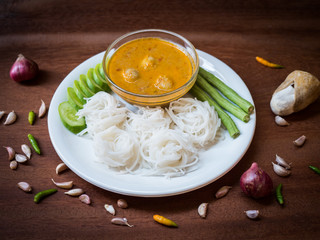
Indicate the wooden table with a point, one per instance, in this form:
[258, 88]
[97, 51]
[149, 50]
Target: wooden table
[59, 35]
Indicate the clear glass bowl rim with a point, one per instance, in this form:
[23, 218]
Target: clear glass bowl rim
[194, 75]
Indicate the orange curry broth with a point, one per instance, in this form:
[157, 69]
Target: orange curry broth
[149, 66]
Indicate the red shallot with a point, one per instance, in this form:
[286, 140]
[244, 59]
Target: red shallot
[255, 182]
[23, 69]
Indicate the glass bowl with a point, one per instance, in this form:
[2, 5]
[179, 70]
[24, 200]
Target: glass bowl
[153, 100]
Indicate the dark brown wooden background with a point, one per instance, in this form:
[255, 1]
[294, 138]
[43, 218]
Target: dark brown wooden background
[59, 35]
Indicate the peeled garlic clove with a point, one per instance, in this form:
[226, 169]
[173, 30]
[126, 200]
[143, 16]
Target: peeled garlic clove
[282, 162]
[26, 150]
[300, 141]
[85, 199]
[121, 221]
[122, 203]
[202, 210]
[75, 192]
[223, 191]
[65, 185]
[110, 209]
[2, 113]
[25, 186]
[11, 152]
[42, 109]
[280, 171]
[252, 214]
[20, 158]
[13, 165]
[61, 167]
[281, 121]
[11, 118]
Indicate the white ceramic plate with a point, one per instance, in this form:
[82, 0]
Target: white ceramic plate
[77, 152]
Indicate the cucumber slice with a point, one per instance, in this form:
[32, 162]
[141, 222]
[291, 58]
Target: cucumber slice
[92, 83]
[73, 98]
[80, 94]
[99, 80]
[101, 76]
[99, 67]
[69, 119]
[84, 86]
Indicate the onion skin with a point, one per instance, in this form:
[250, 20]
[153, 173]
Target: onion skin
[23, 69]
[255, 182]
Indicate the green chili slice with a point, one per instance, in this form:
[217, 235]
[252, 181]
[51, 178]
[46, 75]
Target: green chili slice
[34, 143]
[41, 195]
[31, 117]
[279, 194]
[315, 169]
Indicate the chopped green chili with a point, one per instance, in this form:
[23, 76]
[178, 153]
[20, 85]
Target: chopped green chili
[34, 143]
[315, 169]
[31, 117]
[40, 195]
[279, 194]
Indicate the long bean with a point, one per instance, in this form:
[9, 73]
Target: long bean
[227, 91]
[224, 103]
[225, 118]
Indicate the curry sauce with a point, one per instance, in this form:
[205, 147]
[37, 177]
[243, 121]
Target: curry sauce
[150, 66]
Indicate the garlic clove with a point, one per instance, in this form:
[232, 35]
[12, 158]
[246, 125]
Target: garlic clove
[42, 109]
[61, 167]
[26, 150]
[13, 165]
[280, 171]
[11, 118]
[281, 121]
[282, 162]
[11, 152]
[252, 214]
[85, 199]
[122, 203]
[65, 185]
[25, 186]
[121, 221]
[20, 158]
[110, 209]
[300, 141]
[2, 113]
[74, 192]
[202, 210]
[222, 191]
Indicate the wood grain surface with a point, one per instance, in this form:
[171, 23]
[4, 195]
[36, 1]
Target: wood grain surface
[59, 35]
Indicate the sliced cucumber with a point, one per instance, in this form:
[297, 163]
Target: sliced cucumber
[100, 75]
[99, 67]
[81, 95]
[73, 98]
[84, 86]
[92, 83]
[99, 80]
[69, 119]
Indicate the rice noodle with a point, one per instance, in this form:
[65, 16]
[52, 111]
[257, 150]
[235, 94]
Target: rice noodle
[168, 152]
[151, 141]
[101, 112]
[147, 120]
[196, 118]
[117, 148]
